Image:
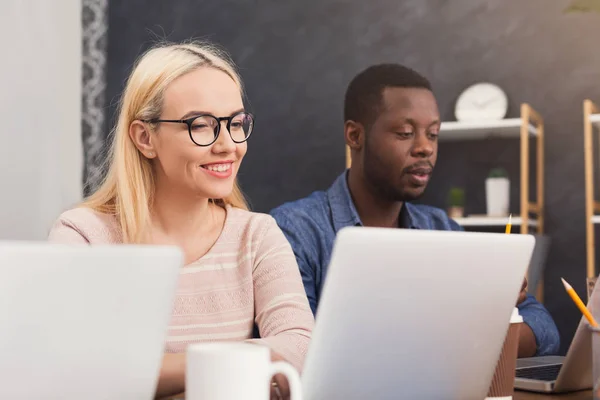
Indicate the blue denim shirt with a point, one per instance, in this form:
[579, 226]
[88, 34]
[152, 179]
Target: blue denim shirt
[310, 225]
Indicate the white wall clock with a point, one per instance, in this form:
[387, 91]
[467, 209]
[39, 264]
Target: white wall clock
[481, 102]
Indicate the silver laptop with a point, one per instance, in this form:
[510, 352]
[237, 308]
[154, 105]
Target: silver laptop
[554, 374]
[414, 314]
[538, 263]
[80, 322]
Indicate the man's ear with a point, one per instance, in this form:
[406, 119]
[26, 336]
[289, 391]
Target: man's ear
[142, 138]
[354, 133]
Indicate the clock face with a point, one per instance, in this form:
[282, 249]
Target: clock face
[481, 102]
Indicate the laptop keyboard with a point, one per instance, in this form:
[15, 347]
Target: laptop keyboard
[546, 373]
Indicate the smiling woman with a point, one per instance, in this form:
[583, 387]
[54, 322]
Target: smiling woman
[178, 145]
[162, 85]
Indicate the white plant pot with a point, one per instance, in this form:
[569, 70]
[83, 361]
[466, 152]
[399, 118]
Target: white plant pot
[497, 196]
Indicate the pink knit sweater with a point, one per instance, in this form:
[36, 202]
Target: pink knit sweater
[249, 275]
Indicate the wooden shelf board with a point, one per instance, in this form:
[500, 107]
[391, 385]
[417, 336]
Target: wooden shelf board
[595, 119]
[492, 221]
[476, 130]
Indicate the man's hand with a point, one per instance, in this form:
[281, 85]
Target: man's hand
[523, 294]
[280, 389]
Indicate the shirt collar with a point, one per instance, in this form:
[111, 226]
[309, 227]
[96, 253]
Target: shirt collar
[344, 212]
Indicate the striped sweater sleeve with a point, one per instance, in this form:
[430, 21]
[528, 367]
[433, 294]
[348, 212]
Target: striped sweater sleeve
[283, 314]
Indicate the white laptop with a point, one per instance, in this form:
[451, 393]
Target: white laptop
[414, 314]
[81, 322]
[555, 374]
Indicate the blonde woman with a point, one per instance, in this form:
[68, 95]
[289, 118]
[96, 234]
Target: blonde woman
[177, 148]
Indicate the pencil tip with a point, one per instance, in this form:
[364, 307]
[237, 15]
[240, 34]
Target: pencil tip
[565, 283]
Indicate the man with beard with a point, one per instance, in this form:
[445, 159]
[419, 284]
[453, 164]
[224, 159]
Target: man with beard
[391, 126]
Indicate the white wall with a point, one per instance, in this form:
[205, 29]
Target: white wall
[40, 114]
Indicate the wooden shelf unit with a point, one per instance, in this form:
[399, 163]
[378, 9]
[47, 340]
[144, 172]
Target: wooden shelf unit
[529, 125]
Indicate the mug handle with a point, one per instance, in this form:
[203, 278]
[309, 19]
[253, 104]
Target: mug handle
[281, 367]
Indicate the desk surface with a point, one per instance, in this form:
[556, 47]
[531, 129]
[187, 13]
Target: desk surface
[582, 395]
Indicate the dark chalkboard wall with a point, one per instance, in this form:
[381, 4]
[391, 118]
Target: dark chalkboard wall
[297, 57]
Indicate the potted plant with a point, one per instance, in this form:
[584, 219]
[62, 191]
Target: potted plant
[456, 203]
[497, 193]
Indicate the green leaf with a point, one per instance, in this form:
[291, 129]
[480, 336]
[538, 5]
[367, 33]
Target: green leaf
[498, 173]
[456, 197]
[583, 6]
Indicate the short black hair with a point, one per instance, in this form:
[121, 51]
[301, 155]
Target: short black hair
[364, 94]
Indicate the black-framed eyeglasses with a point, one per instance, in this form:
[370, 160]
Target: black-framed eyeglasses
[204, 129]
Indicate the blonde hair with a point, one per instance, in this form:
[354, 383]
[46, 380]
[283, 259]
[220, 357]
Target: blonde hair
[128, 189]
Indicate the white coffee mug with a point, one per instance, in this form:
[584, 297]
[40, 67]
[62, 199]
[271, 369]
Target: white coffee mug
[232, 371]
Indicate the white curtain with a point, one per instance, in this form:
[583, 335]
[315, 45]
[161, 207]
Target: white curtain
[40, 114]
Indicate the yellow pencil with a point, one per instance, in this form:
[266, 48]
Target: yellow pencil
[580, 304]
[509, 225]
